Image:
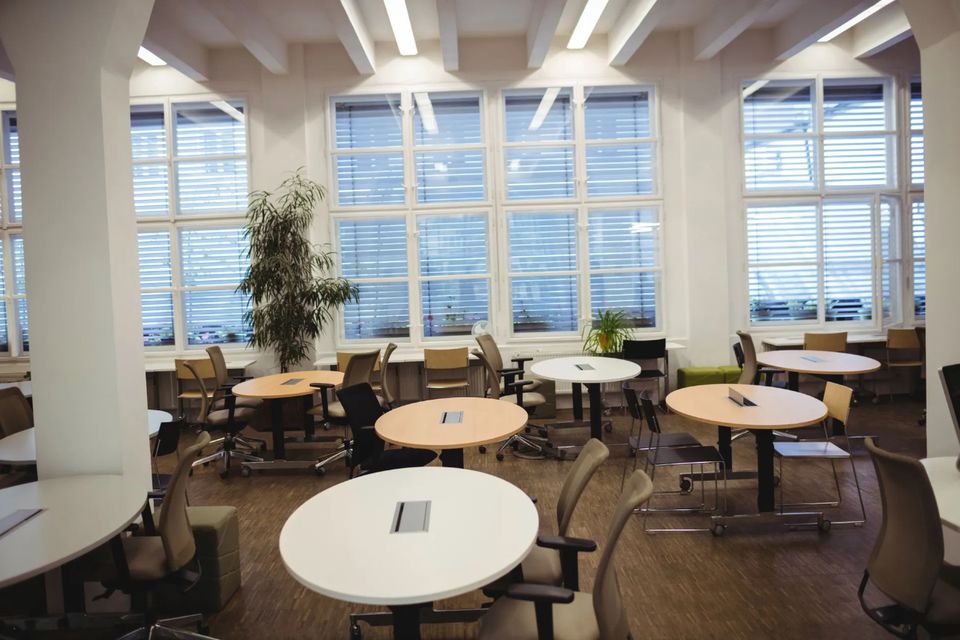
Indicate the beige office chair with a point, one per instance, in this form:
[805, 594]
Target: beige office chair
[167, 556]
[16, 414]
[492, 352]
[825, 341]
[187, 390]
[752, 373]
[904, 351]
[502, 387]
[536, 611]
[907, 563]
[446, 370]
[838, 399]
[222, 377]
[384, 387]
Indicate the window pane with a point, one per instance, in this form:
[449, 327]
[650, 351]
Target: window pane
[373, 248]
[848, 259]
[540, 173]
[154, 251]
[616, 113]
[623, 239]
[788, 164]
[783, 293]
[452, 245]
[544, 303]
[14, 195]
[451, 307]
[851, 107]
[916, 105]
[858, 162]
[213, 257]
[23, 323]
[446, 118]
[370, 179]
[215, 316]
[538, 115]
[19, 266]
[370, 122]
[213, 128]
[917, 172]
[543, 241]
[4, 338]
[212, 186]
[383, 311]
[919, 230]
[148, 136]
[157, 319]
[455, 176]
[890, 255]
[11, 137]
[150, 189]
[777, 106]
[633, 293]
[621, 170]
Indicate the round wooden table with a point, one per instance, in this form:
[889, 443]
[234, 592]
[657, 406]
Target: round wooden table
[273, 390]
[477, 528]
[420, 425]
[776, 409]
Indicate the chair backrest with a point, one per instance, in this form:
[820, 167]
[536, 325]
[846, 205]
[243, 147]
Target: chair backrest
[16, 414]
[607, 604]
[343, 359]
[492, 352]
[908, 554]
[644, 349]
[179, 545]
[206, 399]
[838, 399]
[359, 368]
[220, 372]
[438, 359]
[386, 382]
[950, 379]
[202, 366]
[748, 368]
[168, 438]
[649, 412]
[491, 377]
[738, 354]
[836, 341]
[633, 404]
[593, 454]
[362, 409]
[903, 339]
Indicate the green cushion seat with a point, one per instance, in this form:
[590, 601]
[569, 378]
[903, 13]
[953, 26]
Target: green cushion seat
[693, 376]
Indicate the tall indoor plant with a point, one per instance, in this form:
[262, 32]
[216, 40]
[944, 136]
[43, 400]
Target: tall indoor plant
[292, 292]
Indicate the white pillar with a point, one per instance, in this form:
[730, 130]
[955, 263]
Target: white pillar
[72, 62]
[936, 26]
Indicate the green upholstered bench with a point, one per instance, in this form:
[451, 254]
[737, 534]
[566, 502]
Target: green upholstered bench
[731, 373]
[693, 376]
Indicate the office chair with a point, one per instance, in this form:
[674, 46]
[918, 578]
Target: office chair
[187, 391]
[168, 556]
[907, 563]
[452, 366]
[903, 351]
[641, 350]
[535, 611]
[836, 341]
[230, 421]
[838, 399]
[752, 373]
[166, 442]
[645, 441]
[222, 377]
[16, 414]
[384, 386]
[366, 451]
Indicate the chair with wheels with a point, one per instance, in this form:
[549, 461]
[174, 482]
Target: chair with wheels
[752, 373]
[165, 443]
[838, 399]
[645, 441]
[446, 370]
[907, 563]
[383, 386]
[366, 450]
[544, 612]
[16, 414]
[225, 384]
[187, 389]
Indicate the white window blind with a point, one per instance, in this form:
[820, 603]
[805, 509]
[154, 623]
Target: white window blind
[210, 146]
[848, 259]
[368, 155]
[780, 151]
[539, 149]
[449, 155]
[20, 291]
[890, 256]
[4, 334]
[373, 255]
[919, 237]
[619, 142]
[859, 134]
[156, 288]
[11, 170]
[148, 137]
[916, 133]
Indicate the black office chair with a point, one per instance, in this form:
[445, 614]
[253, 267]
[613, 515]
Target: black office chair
[166, 442]
[639, 350]
[366, 449]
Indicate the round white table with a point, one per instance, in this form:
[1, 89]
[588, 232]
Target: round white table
[20, 448]
[79, 514]
[591, 371]
[479, 528]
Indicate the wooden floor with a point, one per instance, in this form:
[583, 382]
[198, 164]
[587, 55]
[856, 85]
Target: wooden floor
[757, 581]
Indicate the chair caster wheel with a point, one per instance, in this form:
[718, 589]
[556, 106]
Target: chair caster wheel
[633, 453]
[190, 473]
[245, 472]
[608, 427]
[718, 530]
[514, 445]
[824, 525]
[263, 446]
[206, 464]
[686, 485]
[483, 449]
[528, 429]
[776, 481]
[500, 457]
[321, 471]
[355, 633]
[223, 473]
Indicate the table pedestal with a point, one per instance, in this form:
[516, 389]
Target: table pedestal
[595, 394]
[406, 619]
[280, 440]
[452, 458]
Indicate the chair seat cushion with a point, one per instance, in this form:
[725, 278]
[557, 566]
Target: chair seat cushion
[195, 394]
[809, 449]
[222, 417]
[145, 558]
[529, 399]
[536, 384]
[447, 384]
[686, 455]
[248, 403]
[673, 439]
[401, 459]
[945, 606]
[542, 566]
[511, 619]
[334, 410]
[651, 373]
[905, 363]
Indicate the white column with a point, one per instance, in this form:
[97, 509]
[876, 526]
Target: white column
[936, 26]
[72, 62]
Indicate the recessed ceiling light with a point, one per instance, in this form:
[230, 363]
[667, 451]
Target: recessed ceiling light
[402, 29]
[544, 108]
[150, 57]
[855, 20]
[587, 23]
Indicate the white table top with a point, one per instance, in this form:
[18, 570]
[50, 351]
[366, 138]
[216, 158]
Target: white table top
[776, 408]
[797, 341]
[604, 369]
[480, 528]
[818, 362]
[945, 479]
[21, 449]
[81, 513]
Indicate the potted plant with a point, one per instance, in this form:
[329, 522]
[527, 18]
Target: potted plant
[606, 334]
[292, 294]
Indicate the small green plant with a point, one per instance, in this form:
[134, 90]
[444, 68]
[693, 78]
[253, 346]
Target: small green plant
[607, 333]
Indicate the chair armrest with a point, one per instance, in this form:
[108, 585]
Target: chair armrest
[560, 543]
[521, 361]
[510, 372]
[517, 384]
[546, 593]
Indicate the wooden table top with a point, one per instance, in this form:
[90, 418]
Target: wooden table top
[830, 363]
[484, 421]
[273, 387]
[776, 408]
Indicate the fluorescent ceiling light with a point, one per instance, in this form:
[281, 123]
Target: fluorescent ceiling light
[587, 23]
[150, 57]
[425, 108]
[545, 104]
[855, 20]
[400, 23]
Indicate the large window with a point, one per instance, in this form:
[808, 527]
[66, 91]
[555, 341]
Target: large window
[918, 225]
[14, 331]
[822, 200]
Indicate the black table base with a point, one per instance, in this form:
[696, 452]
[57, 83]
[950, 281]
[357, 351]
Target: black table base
[406, 619]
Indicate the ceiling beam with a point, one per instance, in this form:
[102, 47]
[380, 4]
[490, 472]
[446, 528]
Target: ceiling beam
[543, 27]
[6, 67]
[253, 31]
[447, 12]
[353, 34]
[880, 31]
[167, 38]
[636, 22]
[729, 20]
[813, 20]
